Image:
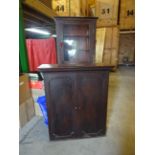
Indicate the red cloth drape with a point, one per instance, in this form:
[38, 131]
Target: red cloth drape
[40, 51]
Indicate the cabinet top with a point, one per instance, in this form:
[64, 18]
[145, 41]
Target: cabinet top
[73, 67]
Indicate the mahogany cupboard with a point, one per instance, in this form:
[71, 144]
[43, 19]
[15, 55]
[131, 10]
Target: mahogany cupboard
[76, 39]
[76, 100]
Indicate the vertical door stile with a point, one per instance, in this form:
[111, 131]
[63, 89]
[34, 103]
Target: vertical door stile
[76, 122]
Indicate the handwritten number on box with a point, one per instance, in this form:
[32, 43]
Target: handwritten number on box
[105, 11]
[60, 8]
[130, 12]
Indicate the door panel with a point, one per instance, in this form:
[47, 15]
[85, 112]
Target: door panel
[61, 100]
[92, 89]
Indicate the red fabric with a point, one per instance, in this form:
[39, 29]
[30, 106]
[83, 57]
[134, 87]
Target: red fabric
[40, 51]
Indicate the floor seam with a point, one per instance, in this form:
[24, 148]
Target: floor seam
[25, 136]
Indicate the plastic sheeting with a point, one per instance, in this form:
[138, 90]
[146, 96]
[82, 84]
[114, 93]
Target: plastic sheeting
[40, 51]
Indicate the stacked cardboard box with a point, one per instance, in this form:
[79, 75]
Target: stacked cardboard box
[127, 34]
[107, 12]
[107, 32]
[127, 15]
[26, 104]
[70, 7]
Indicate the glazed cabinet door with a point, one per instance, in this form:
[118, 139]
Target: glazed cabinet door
[92, 99]
[60, 104]
[75, 40]
[74, 43]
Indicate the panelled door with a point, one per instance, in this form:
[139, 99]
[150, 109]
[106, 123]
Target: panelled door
[92, 102]
[60, 102]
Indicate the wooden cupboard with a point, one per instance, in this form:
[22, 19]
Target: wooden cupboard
[76, 39]
[76, 100]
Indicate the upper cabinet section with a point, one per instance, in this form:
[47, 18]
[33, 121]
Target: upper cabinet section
[76, 39]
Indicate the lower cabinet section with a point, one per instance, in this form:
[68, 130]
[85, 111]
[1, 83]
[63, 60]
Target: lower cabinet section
[76, 103]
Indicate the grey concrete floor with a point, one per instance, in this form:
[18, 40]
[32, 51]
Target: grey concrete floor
[119, 139]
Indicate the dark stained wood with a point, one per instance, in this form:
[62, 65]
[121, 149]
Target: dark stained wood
[76, 39]
[73, 67]
[76, 100]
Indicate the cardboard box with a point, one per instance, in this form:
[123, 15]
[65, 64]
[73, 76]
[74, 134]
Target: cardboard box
[26, 111]
[30, 108]
[24, 91]
[127, 15]
[22, 115]
[26, 103]
[107, 12]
